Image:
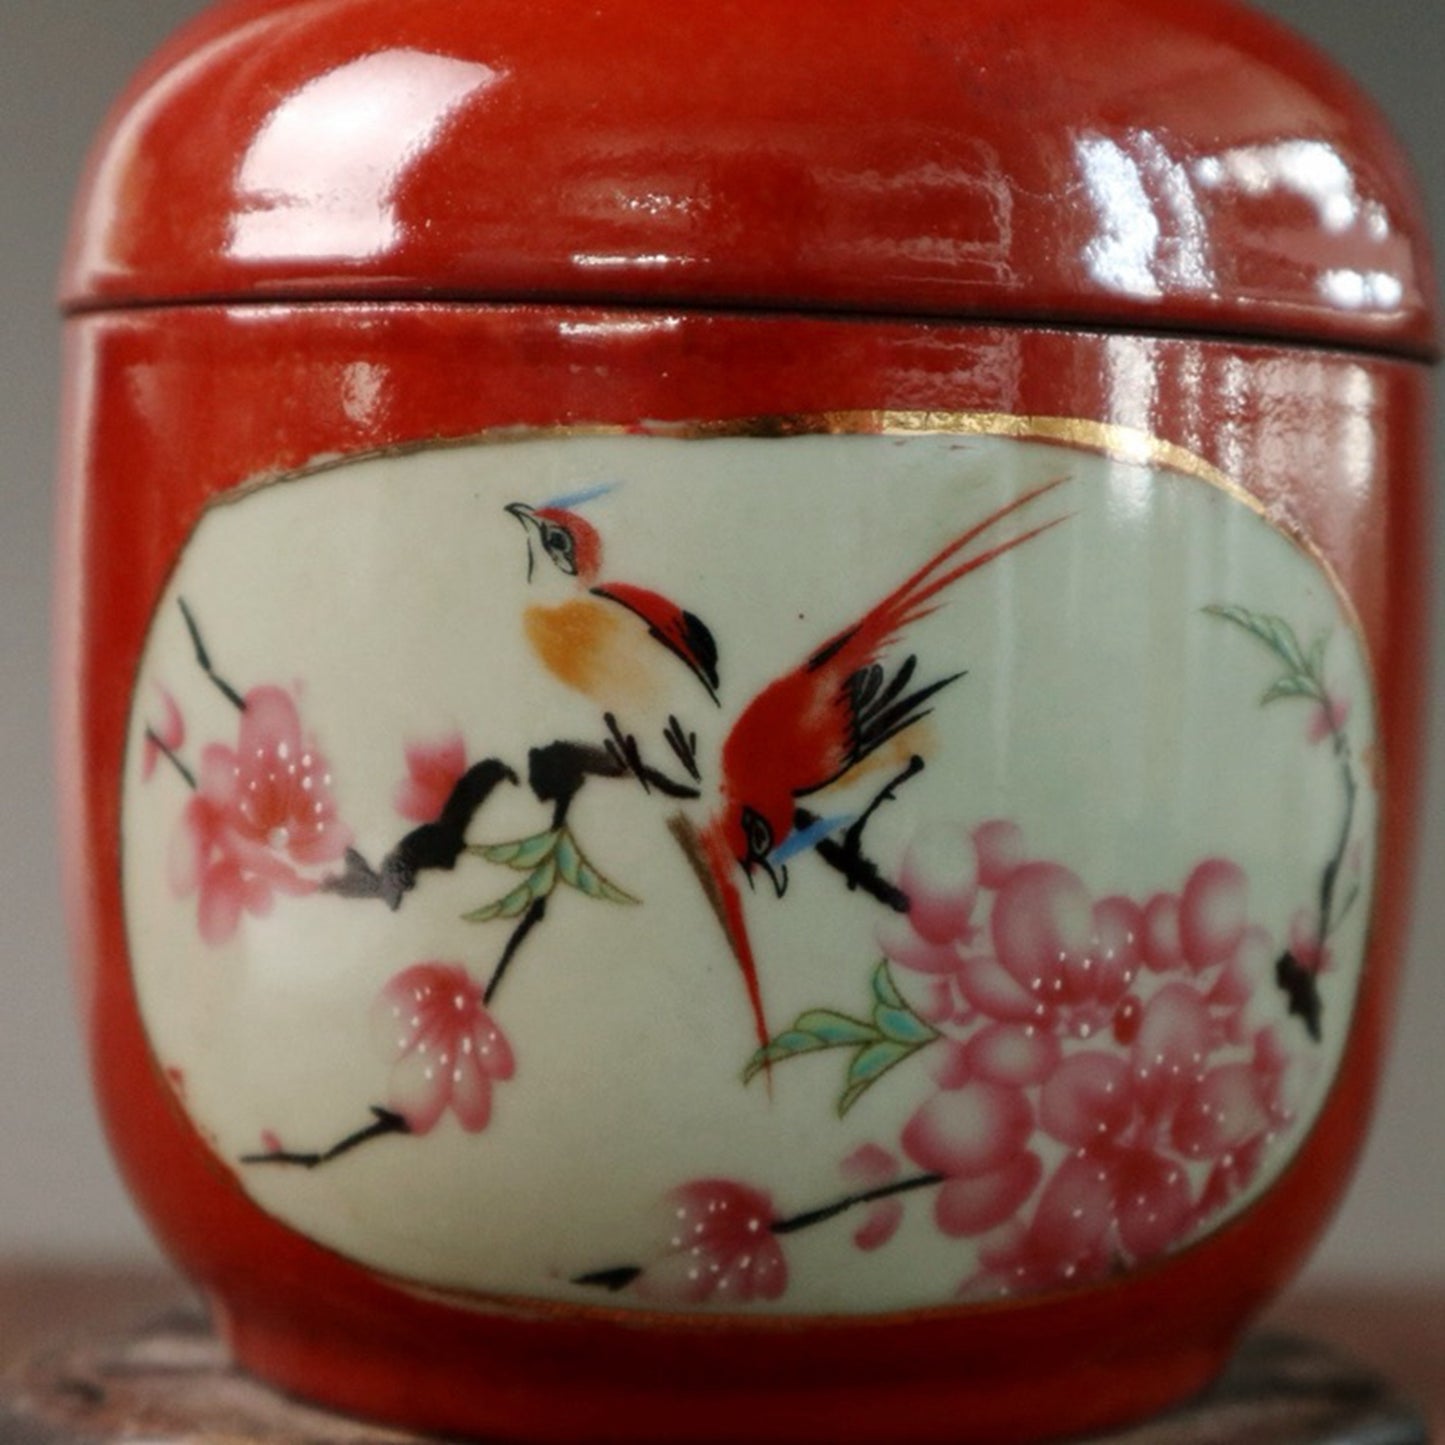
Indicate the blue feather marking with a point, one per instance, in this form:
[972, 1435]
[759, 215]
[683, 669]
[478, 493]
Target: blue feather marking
[572, 500]
[801, 839]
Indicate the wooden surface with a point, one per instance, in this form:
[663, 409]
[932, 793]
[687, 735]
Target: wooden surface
[63, 1330]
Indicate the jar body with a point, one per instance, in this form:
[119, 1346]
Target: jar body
[761, 498]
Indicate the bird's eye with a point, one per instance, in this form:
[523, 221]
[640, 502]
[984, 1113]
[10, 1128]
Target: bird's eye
[759, 834]
[561, 549]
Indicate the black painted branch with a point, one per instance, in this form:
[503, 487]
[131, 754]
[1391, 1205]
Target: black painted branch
[530, 919]
[173, 758]
[384, 1123]
[203, 658]
[436, 845]
[866, 1196]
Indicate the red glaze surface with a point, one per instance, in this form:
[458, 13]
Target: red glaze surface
[1129, 162]
[171, 407]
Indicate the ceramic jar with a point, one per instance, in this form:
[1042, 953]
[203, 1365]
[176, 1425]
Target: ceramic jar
[740, 697]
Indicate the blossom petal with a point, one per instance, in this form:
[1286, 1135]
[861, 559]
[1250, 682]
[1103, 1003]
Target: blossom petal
[767, 1276]
[420, 1091]
[940, 878]
[1087, 1101]
[187, 857]
[433, 771]
[905, 946]
[992, 990]
[1075, 1210]
[965, 1207]
[1152, 1201]
[677, 1279]
[1220, 1113]
[880, 1225]
[969, 1131]
[869, 1166]
[223, 894]
[471, 1093]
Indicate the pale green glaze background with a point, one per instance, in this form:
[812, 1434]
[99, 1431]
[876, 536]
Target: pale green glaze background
[1120, 728]
[61, 62]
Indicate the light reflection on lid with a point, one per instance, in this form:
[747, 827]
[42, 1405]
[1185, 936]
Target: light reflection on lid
[321, 177]
[1152, 237]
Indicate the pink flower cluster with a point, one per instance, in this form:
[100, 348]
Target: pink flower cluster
[261, 815]
[1111, 1074]
[447, 1050]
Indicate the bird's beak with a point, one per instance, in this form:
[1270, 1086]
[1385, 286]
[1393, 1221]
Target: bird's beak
[777, 875]
[528, 518]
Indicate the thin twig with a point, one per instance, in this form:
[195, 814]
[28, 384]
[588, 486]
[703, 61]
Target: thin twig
[203, 658]
[172, 757]
[385, 1122]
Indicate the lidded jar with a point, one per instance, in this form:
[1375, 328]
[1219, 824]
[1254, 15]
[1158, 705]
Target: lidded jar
[740, 697]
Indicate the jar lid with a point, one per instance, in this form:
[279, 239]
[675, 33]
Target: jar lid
[1107, 163]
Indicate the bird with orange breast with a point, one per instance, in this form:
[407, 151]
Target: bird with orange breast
[587, 631]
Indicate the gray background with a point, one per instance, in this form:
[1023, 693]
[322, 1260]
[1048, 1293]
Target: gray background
[61, 63]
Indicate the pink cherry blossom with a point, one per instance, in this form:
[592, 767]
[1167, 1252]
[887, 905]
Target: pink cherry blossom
[1108, 1074]
[721, 1246]
[1183, 1095]
[433, 771]
[1103, 1205]
[447, 1050]
[168, 735]
[260, 815]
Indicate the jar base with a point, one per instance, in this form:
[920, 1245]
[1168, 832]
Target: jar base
[541, 1394]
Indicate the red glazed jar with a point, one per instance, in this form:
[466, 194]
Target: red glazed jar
[740, 697]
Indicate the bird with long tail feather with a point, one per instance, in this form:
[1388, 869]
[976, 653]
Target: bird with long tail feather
[815, 725]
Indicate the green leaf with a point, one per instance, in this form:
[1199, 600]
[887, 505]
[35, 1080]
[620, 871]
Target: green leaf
[514, 904]
[523, 855]
[836, 1029]
[867, 1068]
[885, 991]
[578, 873]
[814, 1031]
[904, 1026]
[1317, 658]
[1292, 686]
[875, 1061]
[891, 1015]
[895, 1033]
[1274, 632]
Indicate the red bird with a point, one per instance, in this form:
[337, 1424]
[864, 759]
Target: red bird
[814, 725]
[583, 643]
